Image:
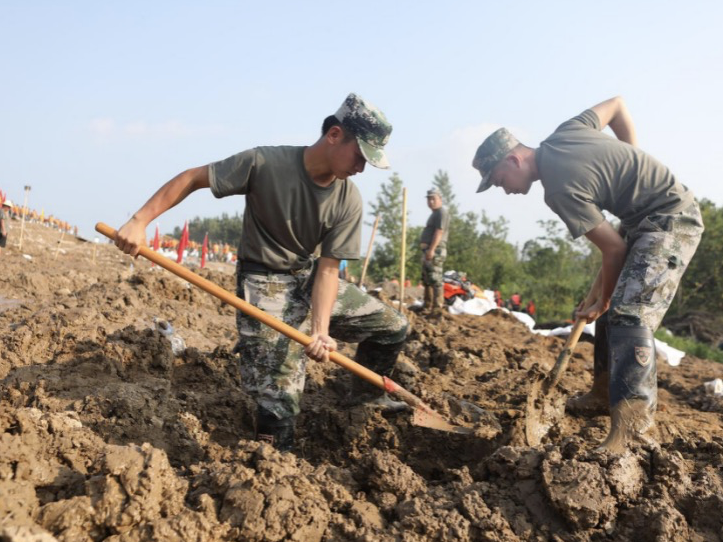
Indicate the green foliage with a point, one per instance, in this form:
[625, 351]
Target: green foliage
[690, 346]
[702, 284]
[223, 229]
[557, 271]
[386, 257]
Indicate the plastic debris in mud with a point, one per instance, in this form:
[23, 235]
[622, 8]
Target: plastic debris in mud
[178, 345]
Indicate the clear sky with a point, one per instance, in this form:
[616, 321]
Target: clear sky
[102, 102]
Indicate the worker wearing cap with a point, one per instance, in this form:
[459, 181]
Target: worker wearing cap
[585, 172]
[433, 244]
[297, 199]
[5, 209]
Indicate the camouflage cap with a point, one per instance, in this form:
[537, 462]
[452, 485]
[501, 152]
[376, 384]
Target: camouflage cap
[434, 192]
[370, 127]
[490, 153]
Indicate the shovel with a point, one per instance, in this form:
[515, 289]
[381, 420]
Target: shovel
[423, 415]
[545, 407]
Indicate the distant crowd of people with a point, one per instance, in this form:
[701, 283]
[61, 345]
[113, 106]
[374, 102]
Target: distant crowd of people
[11, 211]
[514, 303]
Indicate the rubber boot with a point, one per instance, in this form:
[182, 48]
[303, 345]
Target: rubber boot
[438, 298]
[596, 401]
[277, 432]
[633, 386]
[381, 359]
[428, 298]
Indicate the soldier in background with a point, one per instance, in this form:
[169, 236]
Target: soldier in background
[433, 244]
[5, 210]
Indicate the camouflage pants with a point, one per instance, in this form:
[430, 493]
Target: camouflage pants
[433, 270]
[273, 367]
[659, 251]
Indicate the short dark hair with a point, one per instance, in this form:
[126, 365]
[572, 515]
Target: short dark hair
[330, 122]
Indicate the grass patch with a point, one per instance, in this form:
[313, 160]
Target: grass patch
[690, 346]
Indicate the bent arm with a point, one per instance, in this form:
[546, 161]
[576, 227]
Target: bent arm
[614, 251]
[435, 242]
[132, 234]
[323, 296]
[614, 113]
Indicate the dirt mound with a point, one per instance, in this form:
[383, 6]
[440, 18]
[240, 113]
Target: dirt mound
[107, 434]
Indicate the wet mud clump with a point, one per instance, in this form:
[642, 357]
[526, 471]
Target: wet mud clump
[109, 433]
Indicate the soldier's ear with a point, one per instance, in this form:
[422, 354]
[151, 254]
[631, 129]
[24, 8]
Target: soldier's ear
[513, 160]
[335, 135]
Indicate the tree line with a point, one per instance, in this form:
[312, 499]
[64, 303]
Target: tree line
[552, 269]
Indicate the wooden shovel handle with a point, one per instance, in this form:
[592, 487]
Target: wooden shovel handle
[564, 358]
[245, 307]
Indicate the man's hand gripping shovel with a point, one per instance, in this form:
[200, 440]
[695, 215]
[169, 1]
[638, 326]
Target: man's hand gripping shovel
[423, 415]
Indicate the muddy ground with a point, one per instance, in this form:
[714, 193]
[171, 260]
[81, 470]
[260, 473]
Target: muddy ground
[105, 434]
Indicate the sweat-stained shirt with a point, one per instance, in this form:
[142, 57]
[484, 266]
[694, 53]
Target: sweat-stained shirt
[584, 172]
[287, 215]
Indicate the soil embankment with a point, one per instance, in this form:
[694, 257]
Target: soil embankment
[106, 434]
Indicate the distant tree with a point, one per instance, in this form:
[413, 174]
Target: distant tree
[701, 288]
[384, 263]
[558, 271]
[443, 184]
[223, 229]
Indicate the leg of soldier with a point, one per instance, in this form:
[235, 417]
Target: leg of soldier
[660, 249]
[273, 367]
[437, 277]
[428, 284]
[597, 399]
[380, 331]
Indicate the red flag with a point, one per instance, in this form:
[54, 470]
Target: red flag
[157, 240]
[182, 244]
[204, 251]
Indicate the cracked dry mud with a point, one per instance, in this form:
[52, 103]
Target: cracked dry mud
[105, 434]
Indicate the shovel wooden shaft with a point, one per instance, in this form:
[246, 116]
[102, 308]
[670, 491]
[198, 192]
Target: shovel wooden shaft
[564, 358]
[369, 252]
[247, 308]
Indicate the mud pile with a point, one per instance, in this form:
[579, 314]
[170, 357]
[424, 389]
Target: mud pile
[107, 434]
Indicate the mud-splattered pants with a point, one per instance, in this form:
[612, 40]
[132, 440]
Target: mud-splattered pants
[659, 251]
[433, 270]
[273, 367]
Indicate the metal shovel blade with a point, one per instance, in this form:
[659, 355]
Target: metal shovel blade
[545, 404]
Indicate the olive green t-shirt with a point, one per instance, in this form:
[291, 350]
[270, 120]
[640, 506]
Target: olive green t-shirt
[287, 215]
[584, 172]
[438, 220]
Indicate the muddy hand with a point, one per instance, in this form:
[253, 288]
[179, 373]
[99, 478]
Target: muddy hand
[320, 346]
[131, 237]
[594, 311]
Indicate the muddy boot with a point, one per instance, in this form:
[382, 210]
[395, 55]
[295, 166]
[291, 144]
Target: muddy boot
[428, 298]
[596, 401]
[438, 304]
[633, 386]
[380, 358]
[277, 432]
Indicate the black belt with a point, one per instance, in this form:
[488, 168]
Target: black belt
[254, 267]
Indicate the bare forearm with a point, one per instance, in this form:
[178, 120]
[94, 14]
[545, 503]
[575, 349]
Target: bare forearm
[614, 113]
[612, 265]
[172, 193]
[323, 296]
